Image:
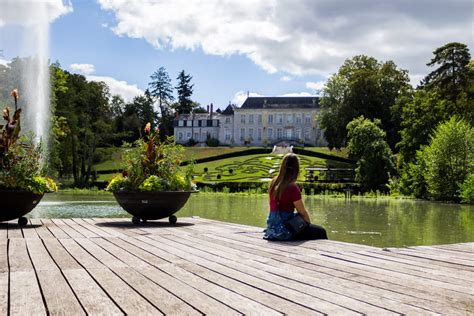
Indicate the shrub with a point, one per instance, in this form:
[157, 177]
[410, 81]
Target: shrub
[467, 189]
[191, 142]
[449, 159]
[212, 142]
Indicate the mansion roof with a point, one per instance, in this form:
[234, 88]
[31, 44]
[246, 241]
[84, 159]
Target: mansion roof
[281, 103]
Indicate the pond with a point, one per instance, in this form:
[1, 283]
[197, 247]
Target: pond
[374, 222]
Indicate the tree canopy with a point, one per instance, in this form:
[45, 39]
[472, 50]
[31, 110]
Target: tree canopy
[362, 86]
[185, 89]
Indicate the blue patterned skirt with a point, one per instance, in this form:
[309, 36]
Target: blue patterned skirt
[276, 229]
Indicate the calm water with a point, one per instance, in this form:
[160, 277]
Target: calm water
[383, 223]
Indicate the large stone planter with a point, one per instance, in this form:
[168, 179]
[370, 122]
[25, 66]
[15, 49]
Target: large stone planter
[152, 205]
[16, 204]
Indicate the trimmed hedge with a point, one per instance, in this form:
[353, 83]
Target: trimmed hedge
[307, 188]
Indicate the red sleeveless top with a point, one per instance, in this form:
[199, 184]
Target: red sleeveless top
[290, 195]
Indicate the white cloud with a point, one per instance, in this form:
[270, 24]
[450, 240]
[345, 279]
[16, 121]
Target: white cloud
[285, 78]
[299, 37]
[241, 96]
[4, 62]
[317, 86]
[297, 94]
[32, 12]
[85, 69]
[125, 90]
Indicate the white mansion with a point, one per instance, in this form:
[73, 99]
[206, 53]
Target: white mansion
[259, 121]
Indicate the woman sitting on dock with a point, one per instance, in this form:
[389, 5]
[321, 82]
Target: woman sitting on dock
[285, 196]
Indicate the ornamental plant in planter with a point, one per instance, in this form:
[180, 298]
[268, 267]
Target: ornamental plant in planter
[152, 184]
[22, 180]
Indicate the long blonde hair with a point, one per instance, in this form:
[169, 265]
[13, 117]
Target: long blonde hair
[289, 170]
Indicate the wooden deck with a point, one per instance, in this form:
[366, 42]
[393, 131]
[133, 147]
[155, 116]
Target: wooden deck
[108, 266]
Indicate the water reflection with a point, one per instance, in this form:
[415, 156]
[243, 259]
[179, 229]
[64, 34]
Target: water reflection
[383, 223]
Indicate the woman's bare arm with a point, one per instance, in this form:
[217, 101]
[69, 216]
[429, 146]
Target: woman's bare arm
[299, 205]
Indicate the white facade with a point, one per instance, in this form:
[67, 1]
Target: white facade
[260, 121]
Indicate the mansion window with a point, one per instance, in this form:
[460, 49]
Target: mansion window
[270, 133]
[279, 133]
[242, 133]
[180, 123]
[298, 132]
[196, 136]
[307, 133]
[259, 119]
[227, 120]
[289, 119]
[188, 135]
[279, 119]
[298, 120]
[288, 133]
[270, 119]
[227, 134]
[250, 118]
[251, 133]
[242, 118]
[259, 134]
[307, 119]
[180, 135]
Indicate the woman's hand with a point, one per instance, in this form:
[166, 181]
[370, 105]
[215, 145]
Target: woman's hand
[299, 205]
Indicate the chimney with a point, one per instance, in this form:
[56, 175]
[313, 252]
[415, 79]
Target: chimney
[212, 107]
[208, 108]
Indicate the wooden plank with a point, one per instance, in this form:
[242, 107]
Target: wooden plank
[80, 255]
[463, 264]
[60, 255]
[3, 230]
[195, 298]
[94, 300]
[192, 296]
[400, 279]
[469, 257]
[150, 254]
[122, 294]
[465, 247]
[3, 293]
[59, 297]
[25, 294]
[427, 272]
[166, 302]
[84, 232]
[29, 231]
[351, 279]
[54, 229]
[122, 225]
[3, 255]
[93, 228]
[346, 294]
[42, 231]
[14, 230]
[108, 230]
[100, 254]
[71, 232]
[246, 304]
[219, 293]
[269, 284]
[419, 261]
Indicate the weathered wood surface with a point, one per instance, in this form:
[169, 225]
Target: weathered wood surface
[109, 266]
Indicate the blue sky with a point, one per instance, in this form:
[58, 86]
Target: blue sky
[272, 47]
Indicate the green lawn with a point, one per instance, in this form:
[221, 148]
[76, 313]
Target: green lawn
[252, 168]
[245, 168]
